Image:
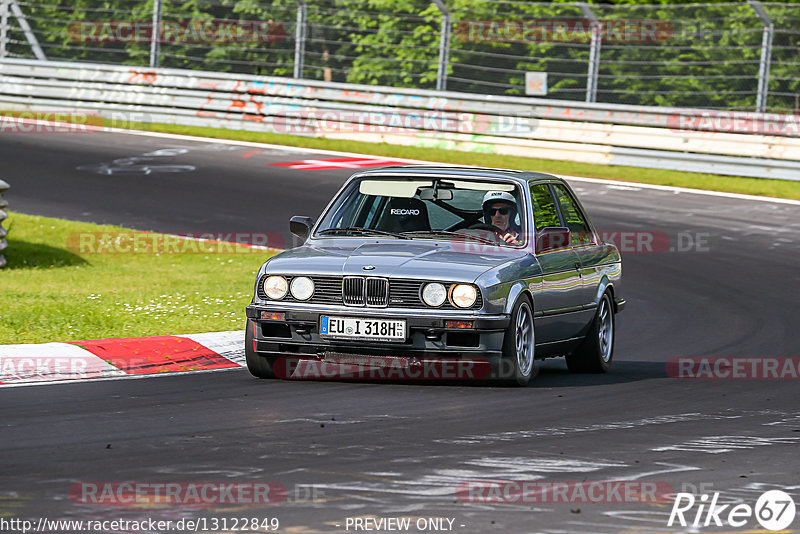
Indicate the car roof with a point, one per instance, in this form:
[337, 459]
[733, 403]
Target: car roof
[453, 171]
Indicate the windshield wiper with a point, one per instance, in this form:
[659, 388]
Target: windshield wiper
[358, 229]
[448, 233]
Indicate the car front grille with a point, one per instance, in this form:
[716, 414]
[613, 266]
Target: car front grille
[374, 292]
[377, 293]
[353, 290]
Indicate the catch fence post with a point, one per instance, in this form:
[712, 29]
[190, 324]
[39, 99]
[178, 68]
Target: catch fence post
[594, 51]
[766, 53]
[444, 46]
[300, 38]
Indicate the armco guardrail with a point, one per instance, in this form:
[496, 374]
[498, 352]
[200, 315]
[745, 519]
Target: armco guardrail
[3, 232]
[742, 144]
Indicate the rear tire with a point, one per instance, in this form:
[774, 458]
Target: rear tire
[519, 364]
[595, 353]
[259, 366]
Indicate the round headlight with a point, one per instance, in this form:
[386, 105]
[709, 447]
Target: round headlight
[463, 295]
[276, 287]
[302, 287]
[434, 294]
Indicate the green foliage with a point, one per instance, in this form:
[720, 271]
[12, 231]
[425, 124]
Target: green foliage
[54, 290]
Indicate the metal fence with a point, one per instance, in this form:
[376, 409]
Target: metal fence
[740, 56]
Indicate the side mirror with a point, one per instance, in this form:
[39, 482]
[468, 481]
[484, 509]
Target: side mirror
[300, 226]
[552, 238]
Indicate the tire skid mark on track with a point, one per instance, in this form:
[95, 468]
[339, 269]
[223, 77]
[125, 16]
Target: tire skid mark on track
[614, 425]
[433, 492]
[723, 444]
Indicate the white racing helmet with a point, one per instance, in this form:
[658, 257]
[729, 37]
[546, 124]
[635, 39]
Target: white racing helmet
[499, 196]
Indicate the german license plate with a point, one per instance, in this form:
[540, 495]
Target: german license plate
[363, 328]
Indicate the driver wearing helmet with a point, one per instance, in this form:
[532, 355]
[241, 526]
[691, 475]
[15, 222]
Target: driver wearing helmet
[500, 210]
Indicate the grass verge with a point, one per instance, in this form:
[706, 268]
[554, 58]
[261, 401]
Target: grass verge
[731, 184]
[65, 281]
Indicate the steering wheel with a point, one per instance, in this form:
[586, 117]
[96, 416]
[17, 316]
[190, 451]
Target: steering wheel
[484, 226]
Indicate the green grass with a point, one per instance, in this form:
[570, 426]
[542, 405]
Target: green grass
[55, 290]
[732, 184]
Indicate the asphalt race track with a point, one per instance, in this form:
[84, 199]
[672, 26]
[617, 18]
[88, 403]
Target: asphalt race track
[726, 283]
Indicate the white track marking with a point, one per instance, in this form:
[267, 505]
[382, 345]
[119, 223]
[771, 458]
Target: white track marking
[60, 363]
[48, 362]
[620, 184]
[229, 345]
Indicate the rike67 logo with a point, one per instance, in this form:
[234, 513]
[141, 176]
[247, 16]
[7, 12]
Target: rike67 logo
[774, 510]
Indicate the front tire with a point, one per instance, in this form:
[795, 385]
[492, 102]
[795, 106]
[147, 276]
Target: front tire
[519, 364]
[595, 353]
[259, 366]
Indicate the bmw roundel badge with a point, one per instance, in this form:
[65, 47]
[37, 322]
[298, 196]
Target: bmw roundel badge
[369, 267]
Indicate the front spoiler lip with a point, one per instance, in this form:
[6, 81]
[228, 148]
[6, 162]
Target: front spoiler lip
[313, 350]
[414, 320]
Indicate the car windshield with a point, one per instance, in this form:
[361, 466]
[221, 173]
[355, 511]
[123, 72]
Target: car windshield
[436, 208]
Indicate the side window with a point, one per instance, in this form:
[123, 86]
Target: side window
[544, 209]
[579, 230]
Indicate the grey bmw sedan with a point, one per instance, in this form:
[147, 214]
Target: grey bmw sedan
[423, 272]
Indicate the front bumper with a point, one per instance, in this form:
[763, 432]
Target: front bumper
[298, 335]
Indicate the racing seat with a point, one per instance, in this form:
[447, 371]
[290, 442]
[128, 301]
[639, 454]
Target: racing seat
[404, 215]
